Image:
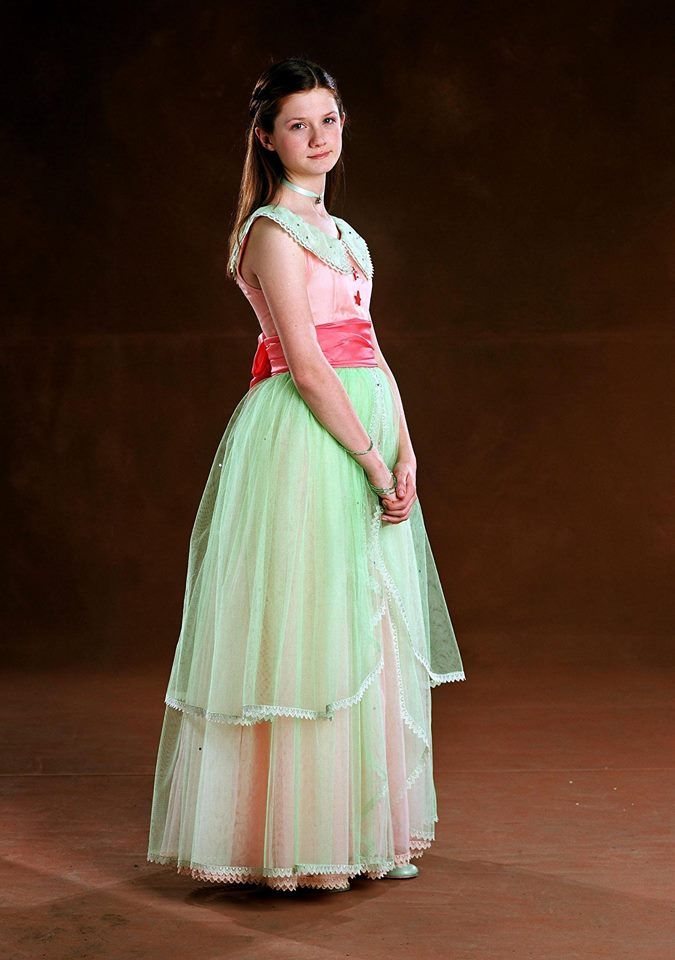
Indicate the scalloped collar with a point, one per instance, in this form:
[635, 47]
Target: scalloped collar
[330, 250]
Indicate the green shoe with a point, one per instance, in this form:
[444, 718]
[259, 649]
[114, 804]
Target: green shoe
[402, 872]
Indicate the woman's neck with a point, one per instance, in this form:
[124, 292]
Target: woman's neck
[306, 207]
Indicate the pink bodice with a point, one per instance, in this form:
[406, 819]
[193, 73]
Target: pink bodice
[332, 296]
[339, 274]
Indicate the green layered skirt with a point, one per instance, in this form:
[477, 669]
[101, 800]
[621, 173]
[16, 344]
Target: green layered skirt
[296, 743]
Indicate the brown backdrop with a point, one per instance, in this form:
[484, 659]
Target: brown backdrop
[511, 167]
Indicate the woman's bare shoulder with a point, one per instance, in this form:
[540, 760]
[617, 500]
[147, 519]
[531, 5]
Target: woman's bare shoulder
[267, 237]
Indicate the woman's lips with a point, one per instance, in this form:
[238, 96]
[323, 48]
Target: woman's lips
[318, 156]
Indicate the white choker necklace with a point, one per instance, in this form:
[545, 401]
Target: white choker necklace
[306, 193]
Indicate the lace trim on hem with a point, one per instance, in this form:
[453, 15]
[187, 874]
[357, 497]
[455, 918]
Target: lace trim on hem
[261, 712]
[323, 876]
[436, 679]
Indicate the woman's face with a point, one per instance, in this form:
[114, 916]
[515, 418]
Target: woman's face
[307, 125]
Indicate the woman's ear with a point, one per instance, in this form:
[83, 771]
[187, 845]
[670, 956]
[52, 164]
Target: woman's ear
[264, 138]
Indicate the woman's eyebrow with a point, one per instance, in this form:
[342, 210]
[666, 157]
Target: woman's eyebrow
[304, 118]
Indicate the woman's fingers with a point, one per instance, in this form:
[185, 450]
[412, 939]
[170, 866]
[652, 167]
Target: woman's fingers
[395, 506]
[387, 518]
[397, 510]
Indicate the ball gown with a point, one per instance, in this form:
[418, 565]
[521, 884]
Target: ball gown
[296, 747]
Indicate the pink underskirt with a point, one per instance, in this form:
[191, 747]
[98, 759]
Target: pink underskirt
[344, 343]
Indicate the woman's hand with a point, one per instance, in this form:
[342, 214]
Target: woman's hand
[397, 507]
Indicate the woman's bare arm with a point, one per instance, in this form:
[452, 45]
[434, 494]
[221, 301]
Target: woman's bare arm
[279, 265]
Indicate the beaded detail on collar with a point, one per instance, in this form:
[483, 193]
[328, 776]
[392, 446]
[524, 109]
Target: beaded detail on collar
[330, 250]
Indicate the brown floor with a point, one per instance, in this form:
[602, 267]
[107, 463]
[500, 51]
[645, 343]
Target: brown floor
[555, 837]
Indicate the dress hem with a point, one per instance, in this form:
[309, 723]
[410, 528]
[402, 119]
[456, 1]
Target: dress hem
[324, 876]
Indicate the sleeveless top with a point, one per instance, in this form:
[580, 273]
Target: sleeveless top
[339, 270]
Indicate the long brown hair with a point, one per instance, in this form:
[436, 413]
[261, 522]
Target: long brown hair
[262, 168]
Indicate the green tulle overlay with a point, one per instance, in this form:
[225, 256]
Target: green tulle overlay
[296, 742]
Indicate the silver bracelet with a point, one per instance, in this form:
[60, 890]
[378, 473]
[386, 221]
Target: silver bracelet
[360, 453]
[385, 491]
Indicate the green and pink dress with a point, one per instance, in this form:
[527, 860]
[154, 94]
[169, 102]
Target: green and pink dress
[296, 744]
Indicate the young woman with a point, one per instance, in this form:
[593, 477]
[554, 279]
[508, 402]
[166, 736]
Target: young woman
[296, 742]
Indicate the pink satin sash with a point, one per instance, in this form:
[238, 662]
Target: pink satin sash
[344, 343]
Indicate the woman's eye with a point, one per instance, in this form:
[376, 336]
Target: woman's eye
[299, 123]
